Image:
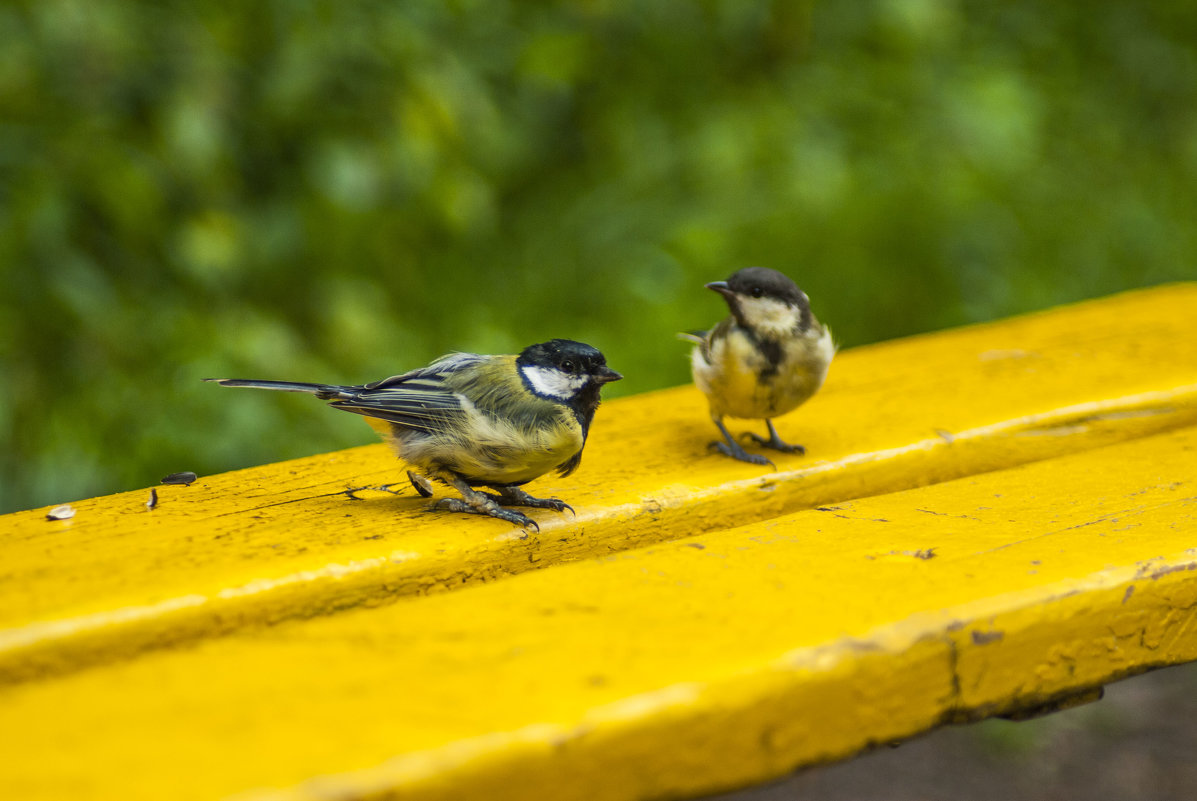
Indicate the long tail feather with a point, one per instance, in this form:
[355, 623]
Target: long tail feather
[323, 391]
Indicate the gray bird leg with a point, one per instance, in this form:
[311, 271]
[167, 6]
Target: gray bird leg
[514, 496]
[479, 503]
[775, 442]
[735, 450]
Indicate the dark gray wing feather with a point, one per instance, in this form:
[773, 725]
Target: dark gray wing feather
[420, 400]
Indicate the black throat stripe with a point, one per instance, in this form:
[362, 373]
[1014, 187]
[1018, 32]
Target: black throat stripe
[770, 349]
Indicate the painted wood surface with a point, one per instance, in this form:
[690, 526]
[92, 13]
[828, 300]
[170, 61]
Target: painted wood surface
[677, 669]
[296, 539]
[988, 520]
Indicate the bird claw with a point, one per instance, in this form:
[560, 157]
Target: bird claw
[496, 511]
[774, 443]
[513, 496]
[556, 504]
[738, 453]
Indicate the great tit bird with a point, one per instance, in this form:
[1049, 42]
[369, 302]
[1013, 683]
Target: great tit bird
[469, 420]
[769, 357]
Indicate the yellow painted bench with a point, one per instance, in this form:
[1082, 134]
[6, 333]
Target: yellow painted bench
[988, 520]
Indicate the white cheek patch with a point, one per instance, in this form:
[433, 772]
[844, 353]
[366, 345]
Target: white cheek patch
[553, 383]
[769, 315]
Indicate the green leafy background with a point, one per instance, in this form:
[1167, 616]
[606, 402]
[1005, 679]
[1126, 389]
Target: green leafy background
[339, 190]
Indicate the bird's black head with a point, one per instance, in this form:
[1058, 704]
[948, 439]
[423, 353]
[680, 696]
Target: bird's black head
[568, 372]
[761, 282]
[562, 369]
[761, 298]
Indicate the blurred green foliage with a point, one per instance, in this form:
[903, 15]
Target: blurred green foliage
[337, 190]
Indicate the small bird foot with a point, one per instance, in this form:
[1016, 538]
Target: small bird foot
[736, 452]
[481, 503]
[493, 510]
[514, 496]
[775, 442]
[733, 449]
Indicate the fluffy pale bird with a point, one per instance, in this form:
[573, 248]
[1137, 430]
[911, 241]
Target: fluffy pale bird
[767, 358]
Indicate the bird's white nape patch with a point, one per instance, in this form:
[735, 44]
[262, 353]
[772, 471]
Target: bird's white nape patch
[552, 383]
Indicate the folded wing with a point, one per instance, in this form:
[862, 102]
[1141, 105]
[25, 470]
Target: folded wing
[420, 400]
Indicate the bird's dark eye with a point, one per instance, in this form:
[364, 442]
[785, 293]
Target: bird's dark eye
[757, 292]
[567, 366]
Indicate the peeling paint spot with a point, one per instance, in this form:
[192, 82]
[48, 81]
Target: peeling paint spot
[1130, 590]
[1163, 571]
[1057, 704]
[986, 637]
[945, 514]
[922, 553]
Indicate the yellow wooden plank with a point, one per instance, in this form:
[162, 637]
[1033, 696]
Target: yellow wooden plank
[672, 670]
[260, 545]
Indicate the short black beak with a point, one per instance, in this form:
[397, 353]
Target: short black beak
[606, 375]
[721, 287]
